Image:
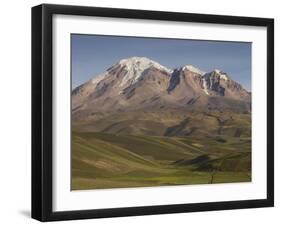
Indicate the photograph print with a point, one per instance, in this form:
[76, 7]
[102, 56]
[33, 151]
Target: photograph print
[151, 112]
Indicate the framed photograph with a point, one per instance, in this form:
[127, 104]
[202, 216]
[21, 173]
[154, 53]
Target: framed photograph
[145, 112]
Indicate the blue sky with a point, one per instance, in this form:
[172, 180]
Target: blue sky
[93, 54]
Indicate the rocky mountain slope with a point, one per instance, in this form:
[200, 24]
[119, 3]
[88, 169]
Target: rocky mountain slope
[139, 82]
[135, 90]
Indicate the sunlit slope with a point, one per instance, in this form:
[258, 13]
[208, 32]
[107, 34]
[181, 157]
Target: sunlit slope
[175, 122]
[101, 160]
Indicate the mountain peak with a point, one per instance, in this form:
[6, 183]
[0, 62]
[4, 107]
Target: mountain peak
[222, 74]
[141, 63]
[135, 59]
[193, 69]
[137, 66]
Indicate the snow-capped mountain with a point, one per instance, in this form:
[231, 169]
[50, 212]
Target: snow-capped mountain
[193, 69]
[136, 67]
[119, 79]
[140, 83]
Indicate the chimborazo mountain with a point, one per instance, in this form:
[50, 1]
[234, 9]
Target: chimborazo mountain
[140, 96]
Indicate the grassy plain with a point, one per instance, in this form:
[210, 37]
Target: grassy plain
[107, 160]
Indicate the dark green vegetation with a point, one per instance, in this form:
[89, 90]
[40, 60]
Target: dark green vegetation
[197, 149]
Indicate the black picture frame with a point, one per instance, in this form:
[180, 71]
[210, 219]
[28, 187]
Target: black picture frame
[42, 111]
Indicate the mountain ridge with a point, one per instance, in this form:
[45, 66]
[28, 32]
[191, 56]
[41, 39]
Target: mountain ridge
[139, 83]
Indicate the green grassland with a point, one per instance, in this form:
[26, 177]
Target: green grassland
[112, 160]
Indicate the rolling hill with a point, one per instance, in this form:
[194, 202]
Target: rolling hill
[101, 160]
